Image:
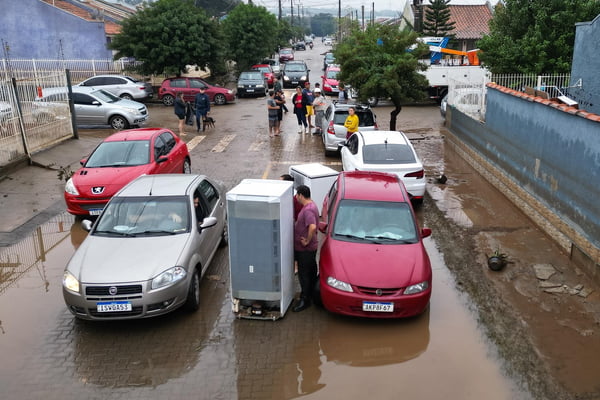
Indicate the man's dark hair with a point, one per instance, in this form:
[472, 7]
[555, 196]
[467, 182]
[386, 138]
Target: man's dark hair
[304, 191]
[271, 93]
[287, 177]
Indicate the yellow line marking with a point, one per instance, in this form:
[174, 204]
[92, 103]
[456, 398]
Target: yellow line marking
[194, 142]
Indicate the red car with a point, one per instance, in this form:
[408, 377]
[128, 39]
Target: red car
[372, 260]
[190, 88]
[119, 159]
[286, 55]
[267, 72]
[330, 81]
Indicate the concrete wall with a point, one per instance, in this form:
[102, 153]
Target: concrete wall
[586, 65]
[549, 155]
[34, 29]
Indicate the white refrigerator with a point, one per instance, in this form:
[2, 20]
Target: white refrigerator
[317, 177]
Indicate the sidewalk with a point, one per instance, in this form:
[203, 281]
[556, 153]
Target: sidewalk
[31, 194]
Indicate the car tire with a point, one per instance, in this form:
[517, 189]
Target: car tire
[192, 303]
[118, 122]
[220, 99]
[127, 96]
[187, 166]
[168, 100]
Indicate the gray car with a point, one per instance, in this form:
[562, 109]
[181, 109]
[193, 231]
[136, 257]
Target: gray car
[252, 83]
[334, 132]
[148, 250]
[93, 106]
[121, 86]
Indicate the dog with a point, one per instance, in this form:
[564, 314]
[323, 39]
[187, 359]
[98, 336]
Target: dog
[208, 122]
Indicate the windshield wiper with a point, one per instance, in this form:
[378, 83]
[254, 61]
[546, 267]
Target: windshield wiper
[114, 233]
[350, 236]
[154, 231]
[388, 239]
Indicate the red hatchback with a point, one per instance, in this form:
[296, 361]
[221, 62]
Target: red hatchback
[372, 260]
[286, 55]
[190, 87]
[119, 159]
[267, 72]
[330, 83]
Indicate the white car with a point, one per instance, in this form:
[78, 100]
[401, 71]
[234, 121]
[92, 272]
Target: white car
[386, 151]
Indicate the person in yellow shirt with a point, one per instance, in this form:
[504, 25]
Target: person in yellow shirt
[351, 123]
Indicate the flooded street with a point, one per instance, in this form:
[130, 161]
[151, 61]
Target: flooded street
[486, 335]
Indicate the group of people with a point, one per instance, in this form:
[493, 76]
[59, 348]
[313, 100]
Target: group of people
[306, 102]
[185, 111]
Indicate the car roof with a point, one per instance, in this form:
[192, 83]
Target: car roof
[357, 107]
[260, 65]
[159, 185]
[333, 67]
[286, 48]
[372, 185]
[378, 137]
[134, 134]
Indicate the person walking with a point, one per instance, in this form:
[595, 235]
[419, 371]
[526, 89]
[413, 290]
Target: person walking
[277, 88]
[299, 101]
[305, 246]
[280, 100]
[309, 105]
[202, 105]
[351, 123]
[342, 94]
[179, 109]
[272, 108]
[320, 105]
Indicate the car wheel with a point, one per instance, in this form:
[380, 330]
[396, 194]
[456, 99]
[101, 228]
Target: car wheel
[192, 302]
[224, 236]
[187, 167]
[168, 100]
[118, 122]
[127, 96]
[220, 99]
[373, 101]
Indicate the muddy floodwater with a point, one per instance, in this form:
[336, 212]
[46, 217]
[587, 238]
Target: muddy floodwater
[314, 354]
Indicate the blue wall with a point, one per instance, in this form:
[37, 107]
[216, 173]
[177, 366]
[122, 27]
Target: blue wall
[586, 66]
[552, 154]
[34, 29]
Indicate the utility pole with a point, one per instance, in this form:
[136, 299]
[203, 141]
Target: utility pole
[362, 24]
[279, 11]
[292, 8]
[339, 21]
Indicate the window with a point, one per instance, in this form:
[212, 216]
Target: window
[197, 84]
[388, 154]
[83, 99]
[94, 82]
[169, 140]
[160, 147]
[209, 193]
[178, 83]
[352, 144]
[114, 80]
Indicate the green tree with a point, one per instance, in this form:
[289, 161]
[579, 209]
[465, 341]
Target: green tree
[217, 7]
[534, 36]
[251, 34]
[377, 63]
[168, 35]
[322, 24]
[437, 19]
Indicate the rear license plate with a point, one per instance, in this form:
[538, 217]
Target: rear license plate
[113, 306]
[378, 307]
[96, 211]
[250, 90]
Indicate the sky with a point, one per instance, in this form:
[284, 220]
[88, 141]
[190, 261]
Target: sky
[355, 4]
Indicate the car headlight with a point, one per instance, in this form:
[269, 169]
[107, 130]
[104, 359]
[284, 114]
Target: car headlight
[286, 78]
[240, 86]
[132, 110]
[70, 282]
[303, 78]
[260, 85]
[418, 288]
[230, 91]
[70, 187]
[169, 277]
[339, 285]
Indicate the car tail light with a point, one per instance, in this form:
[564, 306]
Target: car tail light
[142, 88]
[418, 174]
[376, 126]
[330, 128]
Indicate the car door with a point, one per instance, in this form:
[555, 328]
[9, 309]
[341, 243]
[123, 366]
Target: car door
[210, 204]
[175, 155]
[87, 110]
[115, 85]
[160, 149]
[180, 85]
[349, 154]
[197, 84]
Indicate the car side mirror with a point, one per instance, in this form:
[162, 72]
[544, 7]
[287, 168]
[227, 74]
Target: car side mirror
[425, 232]
[161, 159]
[95, 103]
[83, 161]
[322, 226]
[86, 225]
[322, 76]
[342, 144]
[208, 222]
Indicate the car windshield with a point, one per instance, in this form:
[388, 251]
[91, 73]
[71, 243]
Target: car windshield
[295, 68]
[251, 75]
[263, 69]
[105, 96]
[329, 57]
[388, 153]
[285, 51]
[332, 74]
[144, 216]
[120, 154]
[365, 118]
[375, 221]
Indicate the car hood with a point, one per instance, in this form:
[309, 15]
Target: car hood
[373, 265]
[102, 259]
[295, 73]
[112, 179]
[251, 82]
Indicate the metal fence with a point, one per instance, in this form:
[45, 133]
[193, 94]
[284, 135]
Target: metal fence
[554, 85]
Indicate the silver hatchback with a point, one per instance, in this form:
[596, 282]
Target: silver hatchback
[334, 132]
[121, 86]
[148, 250]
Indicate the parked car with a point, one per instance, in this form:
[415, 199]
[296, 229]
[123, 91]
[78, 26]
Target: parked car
[300, 45]
[328, 60]
[119, 159]
[93, 106]
[285, 55]
[372, 260]
[386, 151]
[190, 87]
[328, 41]
[443, 106]
[148, 250]
[334, 132]
[121, 86]
[267, 71]
[275, 65]
[330, 82]
[252, 83]
[295, 73]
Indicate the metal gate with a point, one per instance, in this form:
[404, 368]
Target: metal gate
[31, 117]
